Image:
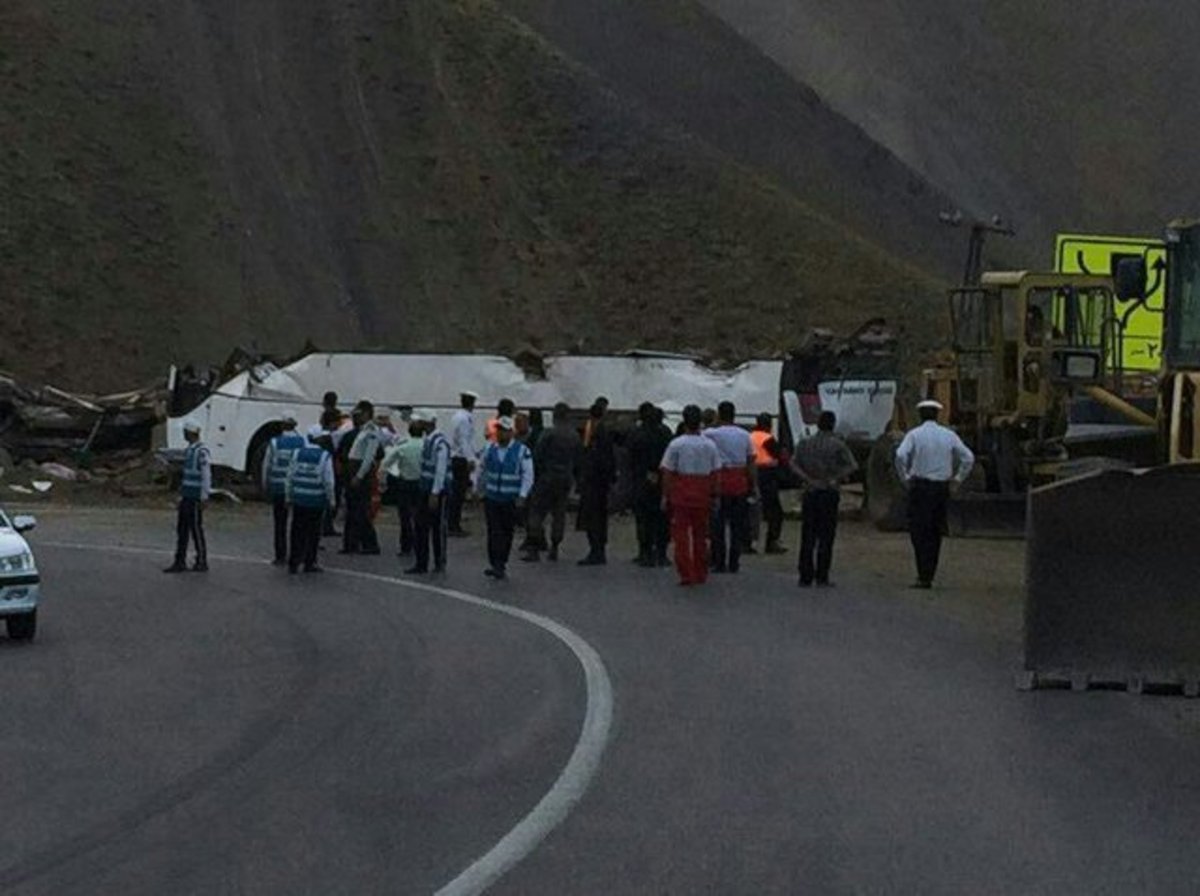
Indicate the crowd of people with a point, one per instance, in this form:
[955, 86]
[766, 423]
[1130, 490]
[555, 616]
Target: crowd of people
[696, 488]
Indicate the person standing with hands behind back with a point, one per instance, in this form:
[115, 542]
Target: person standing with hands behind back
[930, 458]
[823, 461]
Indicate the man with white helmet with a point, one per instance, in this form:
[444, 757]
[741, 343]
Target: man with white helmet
[505, 479]
[280, 450]
[930, 458]
[310, 490]
[194, 491]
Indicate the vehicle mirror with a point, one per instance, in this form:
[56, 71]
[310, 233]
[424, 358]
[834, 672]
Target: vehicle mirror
[24, 523]
[1129, 278]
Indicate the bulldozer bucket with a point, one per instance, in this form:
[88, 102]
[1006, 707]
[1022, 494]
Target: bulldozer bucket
[1113, 580]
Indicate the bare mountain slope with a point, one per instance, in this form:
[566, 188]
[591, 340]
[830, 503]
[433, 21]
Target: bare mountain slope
[694, 72]
[177, 176]
[1059, 115]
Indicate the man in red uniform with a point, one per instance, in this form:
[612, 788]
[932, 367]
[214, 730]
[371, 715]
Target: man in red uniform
[690, 471]
[738, 483]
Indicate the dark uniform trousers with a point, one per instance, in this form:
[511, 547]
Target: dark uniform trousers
[430, 525]
[358, 533]
[927, 503]
[306, 535]
[281, 509]
[408, 499]
[732, 516]
[190, 526]
[501, 519]
[460, 470]
[817, 532]
[549, 499]
[653, 528]
[593, 516]
[772, 509]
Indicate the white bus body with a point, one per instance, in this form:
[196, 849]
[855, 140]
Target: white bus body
[240, 413]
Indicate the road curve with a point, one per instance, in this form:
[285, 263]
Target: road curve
[189, 708]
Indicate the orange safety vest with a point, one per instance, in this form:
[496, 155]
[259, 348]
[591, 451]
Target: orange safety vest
[762, 457]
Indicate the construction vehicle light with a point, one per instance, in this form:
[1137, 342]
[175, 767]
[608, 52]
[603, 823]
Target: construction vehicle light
[1080, 367]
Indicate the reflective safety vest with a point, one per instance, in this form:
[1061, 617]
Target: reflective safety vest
[283, 446]
[308, 487]
[762, 457]
[434, 443]
[193, 475]
[502, 477]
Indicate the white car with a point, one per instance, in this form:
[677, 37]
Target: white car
[19, 580]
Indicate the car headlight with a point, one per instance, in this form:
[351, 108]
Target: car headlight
[22, 562]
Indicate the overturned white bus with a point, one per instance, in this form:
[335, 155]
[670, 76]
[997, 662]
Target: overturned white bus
[241, 413]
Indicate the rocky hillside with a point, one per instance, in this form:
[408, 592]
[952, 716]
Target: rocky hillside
[178, 177]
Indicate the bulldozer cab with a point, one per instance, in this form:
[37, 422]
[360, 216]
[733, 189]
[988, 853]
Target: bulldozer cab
[1020, 340]
[1181, 350]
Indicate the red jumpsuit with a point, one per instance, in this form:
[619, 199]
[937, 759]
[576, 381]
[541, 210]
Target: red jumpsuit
[691, 503]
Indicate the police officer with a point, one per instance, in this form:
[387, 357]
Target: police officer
[505, 479]
[194, 491]
[436, 487]
[309, 488]
[276, 463]
[359, 535]
[930, 458]
[462, 447]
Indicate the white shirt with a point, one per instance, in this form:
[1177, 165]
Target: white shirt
[692, 455]
[336, 435]
[502, 453]
[365, 448]
[932, 451]
[441, 460]
[462, 434]
[734, 444]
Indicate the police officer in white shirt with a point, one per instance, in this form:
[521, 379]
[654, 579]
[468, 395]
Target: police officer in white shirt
[462, 459]
[929, 459]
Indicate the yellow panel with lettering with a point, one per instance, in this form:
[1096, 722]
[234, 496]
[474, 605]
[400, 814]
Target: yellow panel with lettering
[1076, 253]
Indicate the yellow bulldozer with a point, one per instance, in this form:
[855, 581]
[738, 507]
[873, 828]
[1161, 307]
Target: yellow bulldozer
[1022, 347]
[1112, 566]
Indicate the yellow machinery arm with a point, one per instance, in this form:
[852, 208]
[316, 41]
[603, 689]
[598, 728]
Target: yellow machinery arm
[1120, 405]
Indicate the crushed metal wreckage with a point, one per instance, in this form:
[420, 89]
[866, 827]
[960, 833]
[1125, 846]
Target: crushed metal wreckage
[49, 424]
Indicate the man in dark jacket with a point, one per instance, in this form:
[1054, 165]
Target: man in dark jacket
[556, 464]
[646, 448]
[597, 474]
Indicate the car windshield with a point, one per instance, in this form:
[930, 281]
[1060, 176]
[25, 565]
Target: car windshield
[4, 521]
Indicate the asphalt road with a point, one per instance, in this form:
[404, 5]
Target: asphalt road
[251, 732]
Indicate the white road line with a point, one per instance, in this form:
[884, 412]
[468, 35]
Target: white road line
[572, 781]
